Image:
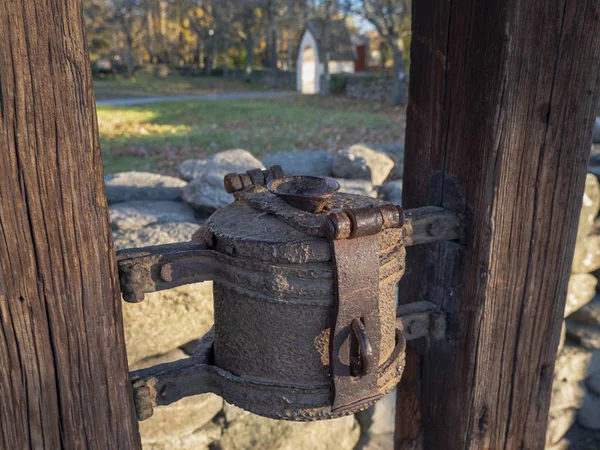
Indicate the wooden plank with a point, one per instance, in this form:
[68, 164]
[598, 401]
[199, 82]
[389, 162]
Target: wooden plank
[63, 369]
[502, 100]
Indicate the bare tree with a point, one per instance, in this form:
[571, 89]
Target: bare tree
[127, 14]
[247, 17]
[391, 18]
[326, 10]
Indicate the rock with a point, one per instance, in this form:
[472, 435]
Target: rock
[575, 364]
[362, 163]
[593, 382]
[593, 372]
[559, 423]
[595, 156]
[201, 439]
[396, 151]
[391, 192]
[179, 419]
[397, 172]
[587, 254]
[581, 438]
[379, 418]
[589, 313]
[259, 433]
[563, 338]
[315, 163]
[207, 193]
[393, 149]
[173, 424]
[563, 444]
[129, 186]
[138, 214]
[232, 412]
[170, 356]
[596, 138]
[589, 413]
[594, 170]
[376, 442]
[582, 289]
[590, 206]
[165, 233]
[566, 395]
[588, 336]
[167, 319]
[219, 164]
[358, 187]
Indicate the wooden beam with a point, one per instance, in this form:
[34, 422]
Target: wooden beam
[502, 101]
[63, 369]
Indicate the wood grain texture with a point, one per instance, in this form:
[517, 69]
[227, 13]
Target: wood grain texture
[502, 101]
[63, 369]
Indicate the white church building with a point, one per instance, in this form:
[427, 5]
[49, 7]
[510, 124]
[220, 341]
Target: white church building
[312, 51]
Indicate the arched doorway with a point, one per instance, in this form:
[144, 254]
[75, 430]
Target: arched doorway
[309, 71]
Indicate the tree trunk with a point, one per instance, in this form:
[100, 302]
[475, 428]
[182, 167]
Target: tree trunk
[326, 77]
[249, 57]
[400, 94]
[273, 56]
[63, 366]
[129, 61]
[226, 57]
[499, 128]
[150, 36]
[199, 50]
[162, 7]
[210, 56]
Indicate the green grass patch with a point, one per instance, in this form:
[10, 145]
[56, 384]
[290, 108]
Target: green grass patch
[146, 85]
[157, 137]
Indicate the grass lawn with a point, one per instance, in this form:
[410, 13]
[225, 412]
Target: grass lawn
[157, 137]
[146, 85]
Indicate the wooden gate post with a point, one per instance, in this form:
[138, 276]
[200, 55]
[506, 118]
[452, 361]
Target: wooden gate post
[63, 368]
[502, 100]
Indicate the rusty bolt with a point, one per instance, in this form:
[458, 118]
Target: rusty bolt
[434, 228]
[169, 272]
[415, 327]
[402, 217]
[233, 183]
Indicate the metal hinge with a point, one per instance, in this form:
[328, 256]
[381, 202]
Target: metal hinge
[421, 319]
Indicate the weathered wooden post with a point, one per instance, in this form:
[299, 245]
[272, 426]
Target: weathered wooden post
[502, 100]
[63, 368]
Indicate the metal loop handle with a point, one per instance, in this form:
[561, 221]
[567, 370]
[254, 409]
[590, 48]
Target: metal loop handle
[365, 350]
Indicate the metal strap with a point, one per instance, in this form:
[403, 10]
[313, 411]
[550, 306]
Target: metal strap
[357, 284]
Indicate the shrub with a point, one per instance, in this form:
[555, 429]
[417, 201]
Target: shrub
[337, 84]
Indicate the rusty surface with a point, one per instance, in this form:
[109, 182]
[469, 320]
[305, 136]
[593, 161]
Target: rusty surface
[305, 326]
[141, 270]
[360, 366]
[421, 319]
[235, 182]
[356, 270]
[167, 383]
[309, 194]
[432, 224]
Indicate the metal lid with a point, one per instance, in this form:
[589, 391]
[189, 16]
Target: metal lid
[240, 230]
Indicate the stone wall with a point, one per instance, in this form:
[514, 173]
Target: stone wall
[276, 79]
[574, 420]
[369, 87]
